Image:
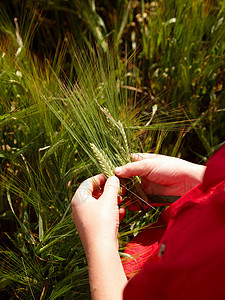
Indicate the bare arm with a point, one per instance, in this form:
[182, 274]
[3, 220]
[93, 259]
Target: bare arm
[96, 216]
[106, 274]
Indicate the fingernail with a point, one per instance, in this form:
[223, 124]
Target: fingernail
[114, 179]
[118, 170]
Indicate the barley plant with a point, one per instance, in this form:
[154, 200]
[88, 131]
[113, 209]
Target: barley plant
[83, 85]
[54, 134]
[98, 111]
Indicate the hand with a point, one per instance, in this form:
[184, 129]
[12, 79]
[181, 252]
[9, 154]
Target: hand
[95, 213]
[163, 175]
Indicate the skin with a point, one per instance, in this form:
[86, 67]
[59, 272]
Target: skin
[96, 214]
[163, 175]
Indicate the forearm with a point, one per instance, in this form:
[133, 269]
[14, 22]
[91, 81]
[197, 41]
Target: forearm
[106, 274]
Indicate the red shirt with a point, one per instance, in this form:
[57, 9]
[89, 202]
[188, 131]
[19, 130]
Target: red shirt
[182, 256]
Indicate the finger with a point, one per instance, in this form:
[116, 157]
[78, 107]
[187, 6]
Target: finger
[141, 156]
[119, 200]
[93, 183]
[96, 182]
[122, 191]
[137, 168]
[86, 189]
[111, 189]
[132, 205]
[122, 212]
[97, 193]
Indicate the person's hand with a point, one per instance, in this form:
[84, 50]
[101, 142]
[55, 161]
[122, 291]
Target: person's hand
[163, 175]
[95, 211]
[96, 215]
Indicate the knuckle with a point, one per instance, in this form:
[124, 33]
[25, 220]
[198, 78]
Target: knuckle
[112, 186]
[128, 167]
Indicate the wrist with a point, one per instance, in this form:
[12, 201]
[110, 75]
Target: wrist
[106, 275]
[101, 245]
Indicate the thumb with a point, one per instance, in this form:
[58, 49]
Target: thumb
[111, 188]
[137, 168]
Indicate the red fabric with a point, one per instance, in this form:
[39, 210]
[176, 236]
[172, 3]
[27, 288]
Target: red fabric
[192, 231]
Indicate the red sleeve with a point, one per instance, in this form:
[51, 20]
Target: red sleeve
[145, 246]
[192, 263]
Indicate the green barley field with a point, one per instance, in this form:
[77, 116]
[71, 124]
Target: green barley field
[83, 84]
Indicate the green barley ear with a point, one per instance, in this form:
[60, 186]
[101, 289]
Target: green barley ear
[105, 123]
[126, 146]
[132, 185]
[103, 160]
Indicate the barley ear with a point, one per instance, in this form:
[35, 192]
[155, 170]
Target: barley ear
[123, 133]
[104, 161]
